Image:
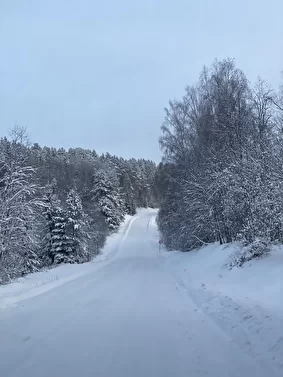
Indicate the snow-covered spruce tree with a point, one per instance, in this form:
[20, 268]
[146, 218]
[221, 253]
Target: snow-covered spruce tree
[18, 249]
[136, 179]
[141, 182]
[61, 251]
[107, 195]
[97, 227]
[126, 181]
[64, 231]
[78, 228]
[128, 194]
[51, 211]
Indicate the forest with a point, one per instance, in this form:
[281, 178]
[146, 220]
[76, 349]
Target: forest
[58, 206]
[222, 170]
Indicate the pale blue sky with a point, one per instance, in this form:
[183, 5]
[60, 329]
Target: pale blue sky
[98, 74]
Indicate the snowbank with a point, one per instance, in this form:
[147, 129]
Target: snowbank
[43, 281]
[257, 282]
[246, 303]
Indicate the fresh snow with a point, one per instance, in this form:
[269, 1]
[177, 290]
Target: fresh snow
[38, 283]
[138, 312]
[246, 303]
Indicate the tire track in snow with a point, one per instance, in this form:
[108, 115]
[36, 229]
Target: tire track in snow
[221, 311]
[149, 223]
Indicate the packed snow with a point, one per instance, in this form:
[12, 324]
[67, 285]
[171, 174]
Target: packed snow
[137, 311]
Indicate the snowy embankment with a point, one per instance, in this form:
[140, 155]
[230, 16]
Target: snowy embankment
[246, 303]
[43, 281]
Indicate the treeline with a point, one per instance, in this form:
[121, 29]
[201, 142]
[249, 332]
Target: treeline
[58, 206]
[222, 173]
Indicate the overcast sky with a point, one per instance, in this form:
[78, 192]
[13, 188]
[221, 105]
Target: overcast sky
[98, 74]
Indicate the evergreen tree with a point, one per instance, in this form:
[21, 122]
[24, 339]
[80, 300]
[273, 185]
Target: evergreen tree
[61, 247]
[106, 193]
[77, 227]
[51, 212]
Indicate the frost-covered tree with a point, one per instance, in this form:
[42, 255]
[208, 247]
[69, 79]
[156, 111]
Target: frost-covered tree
[65, 228]
[51, 209]
[78, 227]
[61, 247]
[17, 212]
[223, 158]
[107, 195]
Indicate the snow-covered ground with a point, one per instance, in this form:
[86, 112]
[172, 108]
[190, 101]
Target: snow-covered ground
[246, 303]
[138, 312]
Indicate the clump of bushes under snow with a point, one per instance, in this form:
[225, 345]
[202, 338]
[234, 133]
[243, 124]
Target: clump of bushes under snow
[245, 252]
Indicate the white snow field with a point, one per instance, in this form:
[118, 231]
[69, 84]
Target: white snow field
[144, 313]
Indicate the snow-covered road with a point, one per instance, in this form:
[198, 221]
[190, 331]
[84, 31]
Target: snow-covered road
[128, 317]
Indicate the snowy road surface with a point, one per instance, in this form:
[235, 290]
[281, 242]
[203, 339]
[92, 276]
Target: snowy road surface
[128, 317]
